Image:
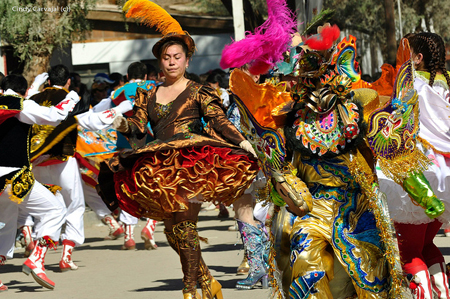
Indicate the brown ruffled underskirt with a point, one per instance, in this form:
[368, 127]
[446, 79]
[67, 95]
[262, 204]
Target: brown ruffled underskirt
[160, 183]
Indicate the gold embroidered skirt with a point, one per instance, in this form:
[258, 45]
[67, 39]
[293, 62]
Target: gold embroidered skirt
[162, 182]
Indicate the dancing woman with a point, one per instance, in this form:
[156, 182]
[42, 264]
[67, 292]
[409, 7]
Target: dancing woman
[187, 163]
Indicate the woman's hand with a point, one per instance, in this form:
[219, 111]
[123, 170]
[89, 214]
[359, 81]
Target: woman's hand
[120, 124]
[246, 145]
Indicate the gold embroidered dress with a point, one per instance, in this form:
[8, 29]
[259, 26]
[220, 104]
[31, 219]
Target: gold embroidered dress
[186, 160]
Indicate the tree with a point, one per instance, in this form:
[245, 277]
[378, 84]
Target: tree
[432, 13]
[391, 43]
[370, 17]
[35, 28]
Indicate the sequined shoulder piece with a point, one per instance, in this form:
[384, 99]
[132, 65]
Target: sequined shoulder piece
[369, 100]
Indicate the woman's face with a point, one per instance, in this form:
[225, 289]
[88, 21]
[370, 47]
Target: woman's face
[174, 62]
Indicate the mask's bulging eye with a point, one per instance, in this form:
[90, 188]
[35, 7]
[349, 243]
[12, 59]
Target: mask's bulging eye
[310, 61]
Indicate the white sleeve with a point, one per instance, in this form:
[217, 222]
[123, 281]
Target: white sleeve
[225, 98]
[103, 105]
[33, 113]
[93, 120]
[96, 121]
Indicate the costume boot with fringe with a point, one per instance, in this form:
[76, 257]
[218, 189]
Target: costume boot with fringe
[257, 245]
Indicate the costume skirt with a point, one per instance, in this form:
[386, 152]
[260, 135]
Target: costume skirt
[402, 208]
[163, 182]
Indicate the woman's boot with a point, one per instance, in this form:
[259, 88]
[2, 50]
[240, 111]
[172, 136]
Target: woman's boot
[257, 244]
[189, 250]
[210, 287]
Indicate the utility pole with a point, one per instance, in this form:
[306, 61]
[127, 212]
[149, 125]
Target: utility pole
[400, 18]
[238, 20]
[300, 10]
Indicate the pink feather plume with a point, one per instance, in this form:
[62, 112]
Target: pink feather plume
[264, 48]
[324, 40]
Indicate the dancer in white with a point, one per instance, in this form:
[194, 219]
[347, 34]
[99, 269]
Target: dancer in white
[20, 190]
[52, 151]
[415, 230]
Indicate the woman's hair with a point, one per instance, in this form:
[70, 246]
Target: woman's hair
[169, 43]
[432, 47]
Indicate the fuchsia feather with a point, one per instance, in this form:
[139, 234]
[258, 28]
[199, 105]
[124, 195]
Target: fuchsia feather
[324, 40]
[264, 48]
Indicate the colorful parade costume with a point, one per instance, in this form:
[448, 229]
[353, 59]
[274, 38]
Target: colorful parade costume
[93, 147]
[336, 135]
[52, 152]
[434, 141]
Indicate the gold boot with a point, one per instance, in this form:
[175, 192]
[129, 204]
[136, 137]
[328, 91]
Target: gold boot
[212, 289]
[190, 254]
[190, 296]
[174, 244]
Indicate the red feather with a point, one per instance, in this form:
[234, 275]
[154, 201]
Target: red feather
[323, 40]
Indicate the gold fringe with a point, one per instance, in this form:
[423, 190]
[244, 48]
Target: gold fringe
[275, 281]
[430, 146]
[399, 168]
[365, 177]
[53, 188]
[262, 194]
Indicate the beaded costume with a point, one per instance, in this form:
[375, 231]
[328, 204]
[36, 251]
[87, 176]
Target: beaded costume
[336, 135]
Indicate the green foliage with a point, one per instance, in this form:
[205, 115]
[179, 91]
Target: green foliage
[324, 16]
[434, 12]
[212, 6]
[368, 16]
[363, 15]
[37, 33]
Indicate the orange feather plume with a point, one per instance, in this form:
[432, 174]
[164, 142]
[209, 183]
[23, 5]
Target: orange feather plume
[152, 15]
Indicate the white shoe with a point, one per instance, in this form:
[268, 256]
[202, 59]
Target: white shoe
[34, 265]
[66, 262]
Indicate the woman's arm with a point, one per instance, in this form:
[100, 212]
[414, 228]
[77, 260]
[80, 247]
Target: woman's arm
[214, 114]
[137, 123]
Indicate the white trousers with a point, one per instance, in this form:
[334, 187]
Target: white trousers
[48, 211]
[67, 176]
[127, 218]
[94, 201]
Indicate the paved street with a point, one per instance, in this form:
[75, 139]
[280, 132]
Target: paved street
[105, 271]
